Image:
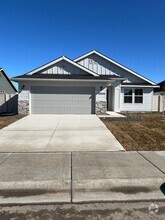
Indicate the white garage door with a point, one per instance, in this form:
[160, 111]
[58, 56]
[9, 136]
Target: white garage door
[62, 100]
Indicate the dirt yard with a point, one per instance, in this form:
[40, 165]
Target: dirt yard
[6, 120]
[139, 131]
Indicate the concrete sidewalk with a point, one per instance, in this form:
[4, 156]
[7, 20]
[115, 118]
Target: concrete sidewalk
[118, 176]
[34, 178]
[30, 178]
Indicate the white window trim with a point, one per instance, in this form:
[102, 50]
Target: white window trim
[133, 97]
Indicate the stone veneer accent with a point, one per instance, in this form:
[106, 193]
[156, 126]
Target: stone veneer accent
[23, 106]
[101, 107]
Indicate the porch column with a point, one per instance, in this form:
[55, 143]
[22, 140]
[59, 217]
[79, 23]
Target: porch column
[101, 99]
[117, 98]
[23, 99]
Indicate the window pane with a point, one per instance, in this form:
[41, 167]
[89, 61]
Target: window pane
[127, 99]
[138, 99]
[127, 91]
[138, 91]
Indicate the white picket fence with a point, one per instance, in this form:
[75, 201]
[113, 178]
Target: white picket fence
[8, 103]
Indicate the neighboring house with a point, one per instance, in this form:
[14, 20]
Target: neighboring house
[159, 98]
[90, 84]
[161, 88]
[8, 94]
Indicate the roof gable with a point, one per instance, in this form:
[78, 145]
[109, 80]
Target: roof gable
[161, 87]
[94, 52]
[5, 83]
[62, 65]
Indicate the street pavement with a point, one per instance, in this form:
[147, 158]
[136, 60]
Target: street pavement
[87, 211]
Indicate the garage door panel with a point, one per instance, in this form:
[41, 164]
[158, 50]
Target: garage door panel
[62, 100]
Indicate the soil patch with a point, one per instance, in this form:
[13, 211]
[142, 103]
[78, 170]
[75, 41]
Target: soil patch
[138, 131]
[7, 120]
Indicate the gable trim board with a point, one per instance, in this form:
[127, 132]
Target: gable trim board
[14, 90]
[144, 86]
[58, 60]
[8, 95]
[55, 93]
[114, 62]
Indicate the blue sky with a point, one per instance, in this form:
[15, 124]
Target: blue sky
[34, 32]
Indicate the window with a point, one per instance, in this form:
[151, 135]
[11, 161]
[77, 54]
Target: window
[138, 95]
[133, 95]
[128, 95]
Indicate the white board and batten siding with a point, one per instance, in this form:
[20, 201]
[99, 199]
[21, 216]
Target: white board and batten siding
[138, 107]
[97, 65]
[64, 68]
[104, 67]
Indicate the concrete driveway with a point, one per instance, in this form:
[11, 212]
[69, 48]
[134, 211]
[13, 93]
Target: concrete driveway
[52, 133]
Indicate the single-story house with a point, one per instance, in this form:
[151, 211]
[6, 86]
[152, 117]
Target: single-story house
[90, 84]
[8, 94]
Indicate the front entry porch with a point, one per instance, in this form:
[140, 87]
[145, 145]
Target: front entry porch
[112, 114]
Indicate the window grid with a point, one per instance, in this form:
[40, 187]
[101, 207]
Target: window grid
[138, 93]
[128, 95]
[133, 96]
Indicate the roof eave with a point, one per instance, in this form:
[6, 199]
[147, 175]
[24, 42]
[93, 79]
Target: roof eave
[63, 80]
[152, 86]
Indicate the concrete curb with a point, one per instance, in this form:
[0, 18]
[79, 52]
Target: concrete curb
[117, 190]
[28, 192]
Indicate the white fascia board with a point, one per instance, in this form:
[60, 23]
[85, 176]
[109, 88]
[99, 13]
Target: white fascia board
[140, 86]
[58, 60]
[118, 78]
[85, 55]
[44, 66]
[116, 63]
[64, 80]
[8, 79]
